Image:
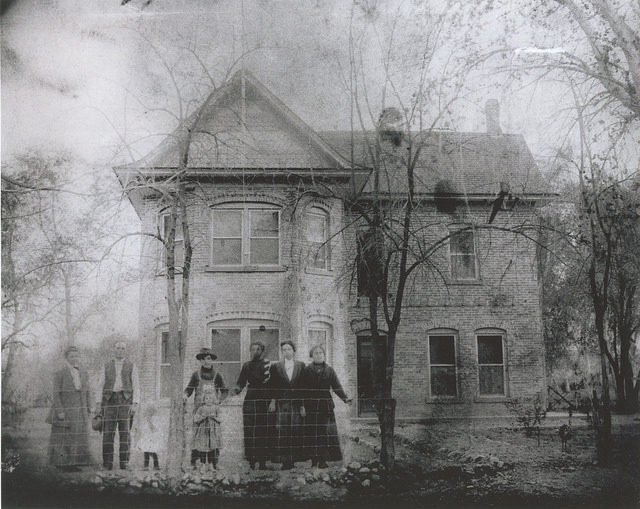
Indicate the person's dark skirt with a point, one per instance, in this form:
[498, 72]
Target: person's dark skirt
[258, 430]
[69, 443]
[321, 433]
[289, 433]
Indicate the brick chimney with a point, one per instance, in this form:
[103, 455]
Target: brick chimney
[390, 125]
[492, 111]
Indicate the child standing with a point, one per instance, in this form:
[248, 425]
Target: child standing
[207, 438]
[151, 436]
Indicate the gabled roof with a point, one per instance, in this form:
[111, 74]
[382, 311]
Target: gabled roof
[272, 141]
[474, 163]
[272, 136]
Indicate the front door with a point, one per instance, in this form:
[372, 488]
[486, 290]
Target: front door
[366, 374]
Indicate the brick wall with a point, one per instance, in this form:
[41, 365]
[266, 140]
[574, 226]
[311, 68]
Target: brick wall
[506, 297]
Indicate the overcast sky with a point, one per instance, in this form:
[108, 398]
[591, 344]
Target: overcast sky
[78, 75]
[74, 71]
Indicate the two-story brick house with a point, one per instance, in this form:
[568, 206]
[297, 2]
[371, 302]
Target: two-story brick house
[270, 251]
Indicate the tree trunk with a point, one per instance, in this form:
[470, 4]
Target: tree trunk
[175, 449]
[9, 278]
[604, 433]
[8, 368]
[387, 418]
[629, 404]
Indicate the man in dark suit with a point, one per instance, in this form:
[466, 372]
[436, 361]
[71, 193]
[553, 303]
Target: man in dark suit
[120, 397]
[287, 401]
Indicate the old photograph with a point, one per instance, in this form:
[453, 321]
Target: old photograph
[320, 253]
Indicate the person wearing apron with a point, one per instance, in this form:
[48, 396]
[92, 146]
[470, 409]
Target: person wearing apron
[205, 379]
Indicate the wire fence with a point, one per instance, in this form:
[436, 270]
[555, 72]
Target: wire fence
[256, 427]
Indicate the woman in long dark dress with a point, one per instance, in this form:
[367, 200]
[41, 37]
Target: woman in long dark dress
[321, 432]
[287, 403]
[69, 415]
[256, 420]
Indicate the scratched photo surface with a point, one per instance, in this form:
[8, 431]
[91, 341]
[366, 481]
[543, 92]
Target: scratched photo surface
[345, 253]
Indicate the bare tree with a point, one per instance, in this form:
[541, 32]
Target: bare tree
[175, 192]
[399, 243]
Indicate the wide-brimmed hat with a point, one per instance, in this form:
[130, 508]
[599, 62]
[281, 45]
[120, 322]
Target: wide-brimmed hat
[204, 352]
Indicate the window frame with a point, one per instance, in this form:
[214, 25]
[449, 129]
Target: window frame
[211, 328]
[487, 333]
[476, 261]
[454, 335]
[245, 210]
[245, 326]
[315, 211]
[327, 328]
[158, 364]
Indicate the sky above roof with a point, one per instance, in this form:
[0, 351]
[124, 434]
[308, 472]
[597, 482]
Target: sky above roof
[88, 76]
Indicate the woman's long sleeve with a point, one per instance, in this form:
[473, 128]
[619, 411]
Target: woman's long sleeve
[337, 388]
[242, 379]
[57, 392]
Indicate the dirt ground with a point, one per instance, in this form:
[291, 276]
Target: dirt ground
[440, 465]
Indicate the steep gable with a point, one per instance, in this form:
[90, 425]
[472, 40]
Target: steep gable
[241, 125]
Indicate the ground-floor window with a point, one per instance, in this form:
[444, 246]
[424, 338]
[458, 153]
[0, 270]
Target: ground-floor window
[491, 366]
[318, 333]
[163, 382]
[442, 365]
[231, 340]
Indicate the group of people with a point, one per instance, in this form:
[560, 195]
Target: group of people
[288, 411]
[72, 410]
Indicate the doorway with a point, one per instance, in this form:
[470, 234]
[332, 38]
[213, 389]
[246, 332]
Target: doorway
[367, 372]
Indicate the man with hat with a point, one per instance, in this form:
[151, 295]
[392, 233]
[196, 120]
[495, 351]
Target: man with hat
[120, 398]
[203, 379]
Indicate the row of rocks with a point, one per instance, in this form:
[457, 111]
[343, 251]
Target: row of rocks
[189, 484]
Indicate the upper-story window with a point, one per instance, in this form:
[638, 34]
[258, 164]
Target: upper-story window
[245, 234]
[179, 241]
[318, 238]
[462, 250]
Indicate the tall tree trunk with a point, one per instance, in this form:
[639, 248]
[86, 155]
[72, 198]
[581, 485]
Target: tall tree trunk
[10, 359]
[387, 415]
[175, 450]
[626, 340]
[604, 433]
[9, 278]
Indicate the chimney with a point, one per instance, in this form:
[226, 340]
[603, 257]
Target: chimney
[390, 125]
[492, 111]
